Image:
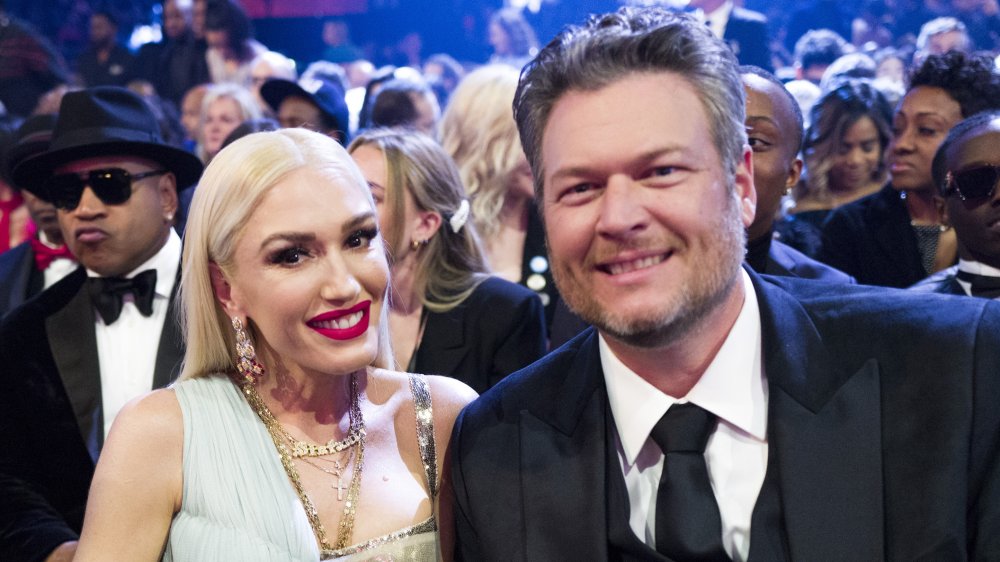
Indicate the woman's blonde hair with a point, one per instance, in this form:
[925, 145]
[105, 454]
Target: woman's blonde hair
[227, 195]
[452, 263]
[479, 132]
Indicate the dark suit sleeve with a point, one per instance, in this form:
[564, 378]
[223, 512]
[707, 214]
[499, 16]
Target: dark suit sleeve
[523, 338]
[30, 527]
[984, 492]
[466, 541]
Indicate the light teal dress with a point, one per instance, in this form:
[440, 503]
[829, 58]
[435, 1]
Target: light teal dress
[238, 502]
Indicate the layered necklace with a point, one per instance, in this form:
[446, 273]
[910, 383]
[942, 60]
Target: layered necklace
[289, 449]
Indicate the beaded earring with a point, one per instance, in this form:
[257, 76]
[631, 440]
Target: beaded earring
[248, 366]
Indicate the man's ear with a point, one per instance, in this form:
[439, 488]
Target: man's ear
[224, 291]
[168, 196]
[746, 193]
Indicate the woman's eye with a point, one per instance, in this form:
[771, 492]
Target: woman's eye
[362, 238]
[289, 256]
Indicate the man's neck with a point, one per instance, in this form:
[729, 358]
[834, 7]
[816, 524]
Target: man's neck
[674, 368]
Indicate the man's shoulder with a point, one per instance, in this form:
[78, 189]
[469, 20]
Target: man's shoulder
[801, 265]
[538, 388]
[36, 309]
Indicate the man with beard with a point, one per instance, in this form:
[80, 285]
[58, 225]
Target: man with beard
[712, 414]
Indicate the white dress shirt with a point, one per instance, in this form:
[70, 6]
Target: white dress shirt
[977, 268]
[59, 268]
[733, 388]
[126, 349]
[717, 19]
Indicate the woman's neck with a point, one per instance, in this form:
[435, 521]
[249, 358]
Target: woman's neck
[921, 207]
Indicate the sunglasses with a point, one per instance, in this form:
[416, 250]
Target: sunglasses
[973, 183]
[113, 186]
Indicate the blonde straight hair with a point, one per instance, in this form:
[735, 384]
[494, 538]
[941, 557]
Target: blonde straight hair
[229, 192]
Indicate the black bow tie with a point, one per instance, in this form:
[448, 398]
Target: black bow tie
[106, 293]
[985, 286]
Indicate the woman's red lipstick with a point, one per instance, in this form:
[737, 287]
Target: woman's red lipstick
[344, 324]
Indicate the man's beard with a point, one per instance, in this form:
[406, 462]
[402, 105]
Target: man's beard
[710, 280]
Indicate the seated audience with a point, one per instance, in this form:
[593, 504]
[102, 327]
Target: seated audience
[479, 132]
[104, 62]
[895, 237]
[774, 132]
[939, 36]
[225, 106]
[447, 315]
[231, 46]
[268, 65]
[42, 260]
[815, 51]
[287, 437]
[966, 170]
[310, 103]
[177, 63]
[511, 37]
[404, 102]
[844, 146]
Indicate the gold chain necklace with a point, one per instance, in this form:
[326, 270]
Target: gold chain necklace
[281, 440]
[337, 471]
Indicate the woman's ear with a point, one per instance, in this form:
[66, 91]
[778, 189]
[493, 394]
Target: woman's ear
[224, 291]
[428, 223]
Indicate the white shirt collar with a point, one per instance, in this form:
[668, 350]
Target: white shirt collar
[732, 387]
[978, 268]
[165, 262]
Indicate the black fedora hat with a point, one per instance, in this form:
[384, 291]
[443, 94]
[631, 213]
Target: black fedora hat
[326, 95]
[105, 121]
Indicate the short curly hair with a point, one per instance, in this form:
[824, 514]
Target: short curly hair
[971, 80]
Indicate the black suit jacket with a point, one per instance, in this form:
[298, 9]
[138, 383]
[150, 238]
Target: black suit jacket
[746, 34]
[786, 261]
[882, 424]
[498, 329]
[871, 239]
[19, 278]
[49, 413]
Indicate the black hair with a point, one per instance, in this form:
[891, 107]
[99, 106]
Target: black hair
[228, 16]
[971, 80]
[938, 167]
[819, 47]
[394, 106]
[250, 126]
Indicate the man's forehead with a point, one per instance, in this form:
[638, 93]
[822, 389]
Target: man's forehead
[97, 162]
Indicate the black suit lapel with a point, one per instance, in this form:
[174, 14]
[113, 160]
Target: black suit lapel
[563, 467]
[824, 427]
[170, 351]
[73, 343]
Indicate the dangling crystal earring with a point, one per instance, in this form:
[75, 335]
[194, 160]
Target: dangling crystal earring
[247, 364]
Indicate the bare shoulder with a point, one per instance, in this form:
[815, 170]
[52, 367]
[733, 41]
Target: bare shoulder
[449, 396]
[156, 415]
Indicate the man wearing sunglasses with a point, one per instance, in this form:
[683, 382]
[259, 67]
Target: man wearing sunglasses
[71, 357]
[966, 171]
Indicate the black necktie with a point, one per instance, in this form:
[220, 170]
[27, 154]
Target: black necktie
[688, 524]
[985, 286]
[106, 293]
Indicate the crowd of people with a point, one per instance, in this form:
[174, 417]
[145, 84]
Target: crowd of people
[748, 297]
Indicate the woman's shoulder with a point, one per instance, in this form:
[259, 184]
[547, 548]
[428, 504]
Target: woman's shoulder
[448, 395]
[150, 422]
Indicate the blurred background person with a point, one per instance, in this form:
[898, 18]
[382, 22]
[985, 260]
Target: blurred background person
[479, 132]
[511, 37]
[316, 104]
[895, 237]
[939, 36]
[231, 46]
[448, 315]
[815, 51]
[405, 102]
[105, 62]
[177, 62]
[849, 131]
[268, 65]
[225, 106]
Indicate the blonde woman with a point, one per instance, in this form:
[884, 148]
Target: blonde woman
[286, 437]
[478, 131]
[223, 108]
[447, 315]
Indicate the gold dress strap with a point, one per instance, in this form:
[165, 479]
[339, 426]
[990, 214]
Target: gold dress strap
[425, 430]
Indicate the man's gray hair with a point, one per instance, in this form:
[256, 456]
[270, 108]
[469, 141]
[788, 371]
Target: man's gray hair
[630, 41]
